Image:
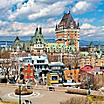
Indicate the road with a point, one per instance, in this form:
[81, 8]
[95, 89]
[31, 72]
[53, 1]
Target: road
[44, 96]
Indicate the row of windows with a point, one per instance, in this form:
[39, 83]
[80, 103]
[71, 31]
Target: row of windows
[40, 66]
[40, 61]
[62, 50]
[102, 67]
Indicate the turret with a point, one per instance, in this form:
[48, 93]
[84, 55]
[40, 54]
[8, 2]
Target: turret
[78, 25]
[56, 27]
[36, 31]
[40, 30]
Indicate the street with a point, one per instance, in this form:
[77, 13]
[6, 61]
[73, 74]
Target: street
[41, 96]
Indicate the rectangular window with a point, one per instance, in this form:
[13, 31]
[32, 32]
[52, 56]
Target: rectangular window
[40, 66]
[54, 78]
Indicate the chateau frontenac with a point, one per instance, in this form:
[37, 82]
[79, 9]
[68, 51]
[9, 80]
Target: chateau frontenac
[67, 31]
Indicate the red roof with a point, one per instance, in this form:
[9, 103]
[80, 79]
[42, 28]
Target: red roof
[87, 68]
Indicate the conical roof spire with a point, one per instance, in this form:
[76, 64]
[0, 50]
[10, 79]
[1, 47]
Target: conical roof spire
[36, 31]
[17, 39]
[40, 30]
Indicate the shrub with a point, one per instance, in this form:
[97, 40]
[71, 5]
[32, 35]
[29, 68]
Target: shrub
[93, 99]
[76, 100]
[77, 91]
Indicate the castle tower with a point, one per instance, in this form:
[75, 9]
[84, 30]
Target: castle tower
[67, 31]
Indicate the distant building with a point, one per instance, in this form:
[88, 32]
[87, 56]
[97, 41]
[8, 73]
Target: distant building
[94, 56]
[17, 45]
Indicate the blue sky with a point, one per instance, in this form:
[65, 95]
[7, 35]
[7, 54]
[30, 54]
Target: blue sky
[21, 17]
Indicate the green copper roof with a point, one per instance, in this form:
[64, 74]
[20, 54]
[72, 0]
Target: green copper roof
[60, 47]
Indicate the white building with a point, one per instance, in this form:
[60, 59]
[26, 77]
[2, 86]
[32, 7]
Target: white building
[40, 64]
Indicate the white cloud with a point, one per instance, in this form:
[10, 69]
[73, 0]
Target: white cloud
[41, 8]
[51, 10]
[24, 29]
[24, 9]
[93, 1]
[87, 20]
[8, 3]
[28, 12]
[16, 28]
[86, 26]
[94, 32]
[81, 7]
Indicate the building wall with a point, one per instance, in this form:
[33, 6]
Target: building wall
[93, 61]
[67, 36]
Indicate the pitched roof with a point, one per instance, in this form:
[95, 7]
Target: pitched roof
[17, 39]
[67, 21]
